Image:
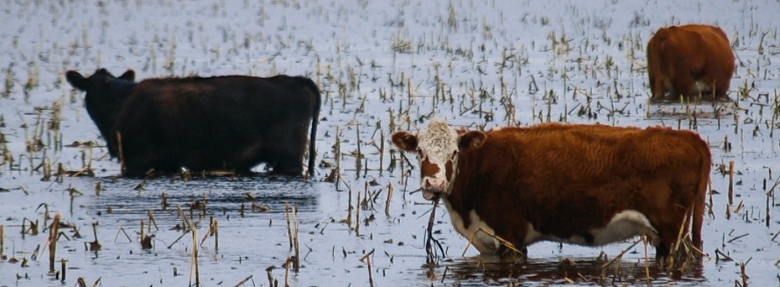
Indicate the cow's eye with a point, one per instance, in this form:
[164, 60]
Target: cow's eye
[454, 154]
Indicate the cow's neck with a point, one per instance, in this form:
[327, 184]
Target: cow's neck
[468, 223]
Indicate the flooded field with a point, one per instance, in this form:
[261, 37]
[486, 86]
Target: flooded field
[382, 66]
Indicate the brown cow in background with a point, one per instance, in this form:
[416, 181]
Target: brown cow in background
[589, 185]
[689, 60]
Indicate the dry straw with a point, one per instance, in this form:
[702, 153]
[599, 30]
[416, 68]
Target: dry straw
[52, 240]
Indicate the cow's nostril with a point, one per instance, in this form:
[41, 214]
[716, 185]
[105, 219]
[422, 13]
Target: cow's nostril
[433, 184]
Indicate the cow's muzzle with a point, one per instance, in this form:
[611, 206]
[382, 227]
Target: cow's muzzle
[433, 187]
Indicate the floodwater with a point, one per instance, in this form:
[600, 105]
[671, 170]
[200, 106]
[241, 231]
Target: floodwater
[382, 66]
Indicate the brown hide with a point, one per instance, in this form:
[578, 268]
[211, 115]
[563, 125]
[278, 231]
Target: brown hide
[689, 60]
[568, 179]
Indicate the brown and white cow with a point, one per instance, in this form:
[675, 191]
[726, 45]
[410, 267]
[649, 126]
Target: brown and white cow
[583, 184]
[689, 60]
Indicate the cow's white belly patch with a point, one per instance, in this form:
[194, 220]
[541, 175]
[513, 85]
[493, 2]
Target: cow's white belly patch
[702, 87]
[483, 242]
[624, 225]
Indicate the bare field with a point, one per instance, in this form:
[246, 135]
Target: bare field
[382, 66]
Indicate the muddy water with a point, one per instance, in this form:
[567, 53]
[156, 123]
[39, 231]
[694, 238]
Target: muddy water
[382, 66]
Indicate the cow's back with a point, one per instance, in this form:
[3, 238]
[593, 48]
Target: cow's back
[566, 148]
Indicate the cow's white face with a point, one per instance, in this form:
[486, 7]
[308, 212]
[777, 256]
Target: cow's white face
[437, 149]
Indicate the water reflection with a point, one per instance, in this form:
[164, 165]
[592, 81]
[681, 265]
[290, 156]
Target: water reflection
[694, 107]
[120, 197]
[697, 99]
[493, 271]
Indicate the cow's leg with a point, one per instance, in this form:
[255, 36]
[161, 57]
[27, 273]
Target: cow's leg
[659, 87]
[651, 82]
[721, 88]
[668, 230]
[287, 160]
[138, 163]
[286, 167]
[286, 152]
[654, 203]
[661, 252]
[507, 253]
[656, 90]
[682, 85]
[136, 167]
[250, 157]
[135, 156]
[139, 160]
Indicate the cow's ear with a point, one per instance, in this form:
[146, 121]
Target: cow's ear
[404, 140]
[128, 76]
[76, 80]
[472, 139]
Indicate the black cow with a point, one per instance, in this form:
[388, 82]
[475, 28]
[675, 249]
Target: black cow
[105, 95]
[228, 122]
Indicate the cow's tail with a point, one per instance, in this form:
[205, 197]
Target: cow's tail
[701, 192]
[314, 120]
